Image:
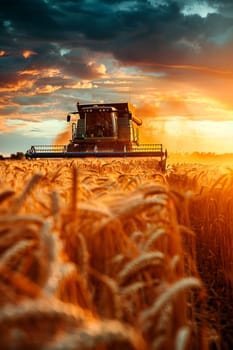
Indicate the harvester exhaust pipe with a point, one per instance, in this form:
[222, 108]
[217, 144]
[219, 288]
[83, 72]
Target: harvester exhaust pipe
[137, 120]
[69, 116]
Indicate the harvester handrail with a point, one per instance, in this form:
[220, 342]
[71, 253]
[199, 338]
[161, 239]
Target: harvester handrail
[157, 147]
[48, 148]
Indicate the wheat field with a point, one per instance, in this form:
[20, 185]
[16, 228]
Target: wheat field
[112, 254]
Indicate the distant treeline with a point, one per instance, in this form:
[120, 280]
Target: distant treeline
[18, 156]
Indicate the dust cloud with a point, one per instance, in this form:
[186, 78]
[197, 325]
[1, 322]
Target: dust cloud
[153, 128]
[63, 137]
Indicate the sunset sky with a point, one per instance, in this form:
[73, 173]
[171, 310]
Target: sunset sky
[173, 60]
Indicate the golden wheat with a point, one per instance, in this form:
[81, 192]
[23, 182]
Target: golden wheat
[98, 254]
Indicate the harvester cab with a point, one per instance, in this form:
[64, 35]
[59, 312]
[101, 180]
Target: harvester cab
[102, 130]
[111, 127]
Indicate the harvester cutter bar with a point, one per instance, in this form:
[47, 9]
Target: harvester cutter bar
[60, 151]
[93, 154]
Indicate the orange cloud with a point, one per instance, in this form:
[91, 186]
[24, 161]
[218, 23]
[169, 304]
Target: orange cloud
[45, 73]
[28, 53]
[98, 68]
[14, 87]
[196, 68]
[47, 89]
[33, 72]
[81, 85]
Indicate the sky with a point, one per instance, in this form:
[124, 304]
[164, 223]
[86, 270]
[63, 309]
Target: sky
[173, 60]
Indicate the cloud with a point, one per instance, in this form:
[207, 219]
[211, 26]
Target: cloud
[119, 28]
[81, 85]
[135, 33]
[173, 56]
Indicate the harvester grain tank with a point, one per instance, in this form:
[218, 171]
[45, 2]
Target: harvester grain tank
[102, 130]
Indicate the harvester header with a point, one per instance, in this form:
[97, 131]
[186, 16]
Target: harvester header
[102, 130]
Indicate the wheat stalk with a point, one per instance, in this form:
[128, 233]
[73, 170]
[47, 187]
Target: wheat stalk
[74, 189]
[55, 207]
[84, 264]
[183, 338]
[113, 288]
[59, 272]
[159, 343]
[19, 285]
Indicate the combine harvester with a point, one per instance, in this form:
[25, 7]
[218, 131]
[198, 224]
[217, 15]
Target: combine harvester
[102, 130]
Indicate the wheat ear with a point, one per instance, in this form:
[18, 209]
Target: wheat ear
[134, 287]
[153, 237]
[14, 219]
[18, 248]
[141, 262]
[32, 182]
[43, 307]
[6, 194]
[174, 290]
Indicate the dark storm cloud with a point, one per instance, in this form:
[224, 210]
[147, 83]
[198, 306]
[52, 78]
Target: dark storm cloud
[165, 35]
[9, 66]
[73, 63]
[26, 19]
[135, 32]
